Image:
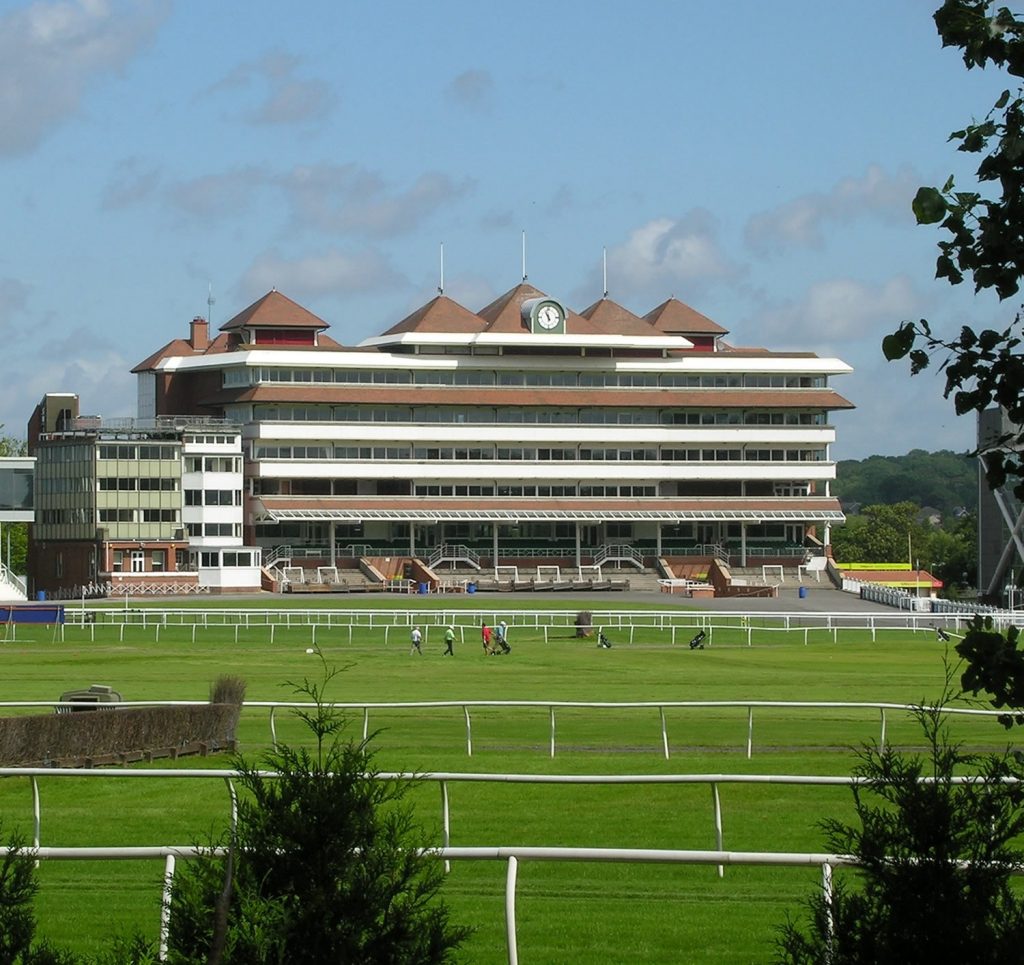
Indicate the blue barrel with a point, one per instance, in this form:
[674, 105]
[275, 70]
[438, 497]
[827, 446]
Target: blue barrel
[41, 595]
[471, 588]
[803, 592]
[424, 588]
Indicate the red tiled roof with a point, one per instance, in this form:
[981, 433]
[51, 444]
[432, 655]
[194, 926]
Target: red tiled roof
[612, 318]
[274, 310]
[504, 314]
[440, 315]
[228, 342]
[531, 395]
[674, 318]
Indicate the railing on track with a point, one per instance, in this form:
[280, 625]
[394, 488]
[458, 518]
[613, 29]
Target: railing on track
[551, 706]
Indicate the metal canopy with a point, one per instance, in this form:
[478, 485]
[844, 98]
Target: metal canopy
[559, 515]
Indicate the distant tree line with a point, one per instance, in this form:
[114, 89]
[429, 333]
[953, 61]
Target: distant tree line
[945, 480]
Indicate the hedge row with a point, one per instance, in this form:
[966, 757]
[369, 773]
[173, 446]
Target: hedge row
[112, 733]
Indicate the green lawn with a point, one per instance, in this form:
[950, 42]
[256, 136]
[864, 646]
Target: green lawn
[566, 912]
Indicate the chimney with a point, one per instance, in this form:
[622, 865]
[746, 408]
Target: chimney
[199, 337]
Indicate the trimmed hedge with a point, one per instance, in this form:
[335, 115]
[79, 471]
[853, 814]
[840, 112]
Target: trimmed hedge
[115, 734]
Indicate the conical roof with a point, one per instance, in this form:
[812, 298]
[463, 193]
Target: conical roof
[504, 314]
[274, 310]
[440, 314]
[672, 317]
[613, 319]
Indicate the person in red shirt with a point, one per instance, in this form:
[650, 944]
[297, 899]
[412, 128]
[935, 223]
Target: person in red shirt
[485, 635]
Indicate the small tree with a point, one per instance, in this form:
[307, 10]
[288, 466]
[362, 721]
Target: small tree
[18, 887]
[324, 866]
[936, 863]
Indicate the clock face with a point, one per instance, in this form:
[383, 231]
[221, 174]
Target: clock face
[548, 317]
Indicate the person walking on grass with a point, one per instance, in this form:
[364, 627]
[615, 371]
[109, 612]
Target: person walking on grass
[449, 642]
[415, 637]
[485, 636]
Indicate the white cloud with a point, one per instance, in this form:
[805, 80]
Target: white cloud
[347, 198]
[51, 52]
[472, 89]
[13, 299]
[838, 310]
[667, 256]
[287, 99]
[800, 223]
[218, 195]
[99, 375]
[133, 182]
[331, 272]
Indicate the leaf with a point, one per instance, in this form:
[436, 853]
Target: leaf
[897, 344]
[929, 206]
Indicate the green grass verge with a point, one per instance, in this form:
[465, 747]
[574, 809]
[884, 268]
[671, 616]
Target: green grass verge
[566, 912]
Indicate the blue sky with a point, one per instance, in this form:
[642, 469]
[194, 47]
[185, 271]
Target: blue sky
[756, 160]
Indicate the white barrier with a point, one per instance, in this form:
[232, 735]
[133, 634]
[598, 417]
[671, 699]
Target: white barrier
[551, 705]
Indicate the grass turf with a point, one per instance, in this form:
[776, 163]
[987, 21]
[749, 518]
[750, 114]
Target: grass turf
[566, 912]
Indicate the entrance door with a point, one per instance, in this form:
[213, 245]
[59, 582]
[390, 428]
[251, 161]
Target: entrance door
[138, 561]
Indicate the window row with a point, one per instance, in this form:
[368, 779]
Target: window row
[543, 492]
[533, 454]
[212, 440]
[521, 415]
[213, 497]
[124, 451]
[139, 516]
[144, 484]
[226, 558]
[213, 464]
[517, 377]
[214, 529]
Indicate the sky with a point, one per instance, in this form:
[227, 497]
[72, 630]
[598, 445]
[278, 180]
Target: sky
[162, 159]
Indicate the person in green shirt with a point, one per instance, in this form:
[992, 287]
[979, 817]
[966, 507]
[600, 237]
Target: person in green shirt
[449, 640]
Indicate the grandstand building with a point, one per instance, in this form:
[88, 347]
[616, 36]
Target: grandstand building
[525, 430]
[136, 506]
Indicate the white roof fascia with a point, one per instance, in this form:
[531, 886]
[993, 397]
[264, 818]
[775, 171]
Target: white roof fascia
[528, 340]
[697, 363]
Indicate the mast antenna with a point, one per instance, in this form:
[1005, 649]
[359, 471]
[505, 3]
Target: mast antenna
[210, 302]
[440, 287]
[604, 259]
[524, 255]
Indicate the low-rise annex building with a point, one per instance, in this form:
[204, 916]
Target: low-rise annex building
[136, 506]
[522, 431]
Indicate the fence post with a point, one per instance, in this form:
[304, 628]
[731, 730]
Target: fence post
[445, 824]
[469, 732]
[366, 723]
[881, 740]
[826, 894]
[165, 906]
[750, 731]
[551, 718]
[664, 732]
[717, 804]
[510, 910]
[273, 729]
[36, 819]
[234, 805]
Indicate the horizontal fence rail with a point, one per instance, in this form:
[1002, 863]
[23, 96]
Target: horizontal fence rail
[245, 617]
[549, 705]
[446, 778]
[512, 855]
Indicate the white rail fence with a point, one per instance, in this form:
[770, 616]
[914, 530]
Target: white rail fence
[551, 706]
[447, 853]
[512, 855]
[366, 627]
